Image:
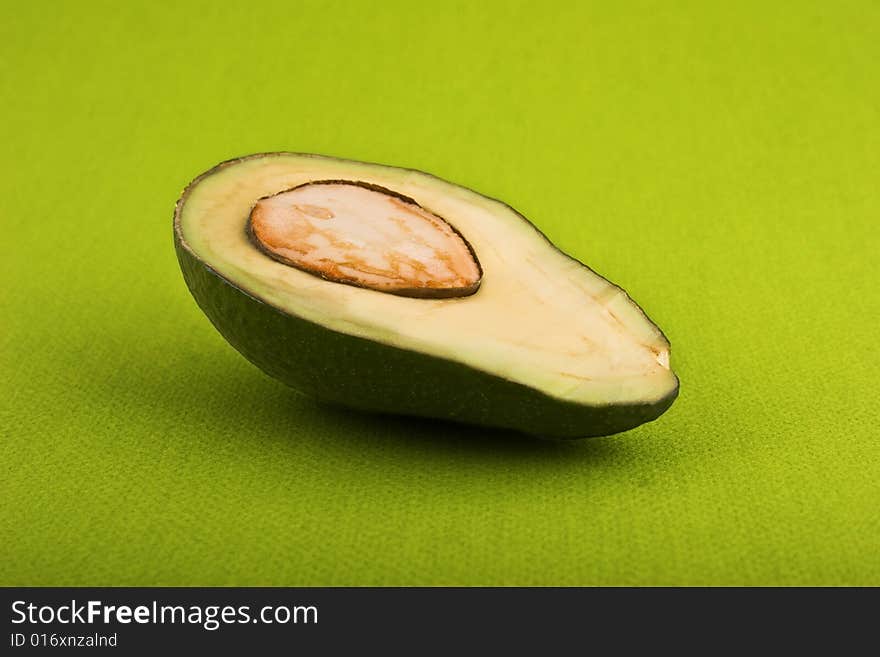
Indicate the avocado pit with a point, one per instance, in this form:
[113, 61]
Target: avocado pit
[361, 234]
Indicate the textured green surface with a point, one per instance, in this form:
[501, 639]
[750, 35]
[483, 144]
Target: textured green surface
[721, 161]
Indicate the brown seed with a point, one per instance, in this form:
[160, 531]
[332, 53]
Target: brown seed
[364, 235]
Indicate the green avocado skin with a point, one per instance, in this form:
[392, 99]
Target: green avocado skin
[359, 373]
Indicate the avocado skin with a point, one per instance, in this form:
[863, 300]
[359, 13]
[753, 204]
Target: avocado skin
[359, 373]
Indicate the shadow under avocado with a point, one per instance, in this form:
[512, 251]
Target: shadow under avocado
[283, 414]
[446, 435]
[207, 377]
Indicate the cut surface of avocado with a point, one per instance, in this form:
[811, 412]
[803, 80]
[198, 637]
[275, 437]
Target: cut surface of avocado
[344, 245]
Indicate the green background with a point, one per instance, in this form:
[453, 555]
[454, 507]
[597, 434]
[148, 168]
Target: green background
[721, 161]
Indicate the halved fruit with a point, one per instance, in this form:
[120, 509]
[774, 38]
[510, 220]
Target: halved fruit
[391, 290]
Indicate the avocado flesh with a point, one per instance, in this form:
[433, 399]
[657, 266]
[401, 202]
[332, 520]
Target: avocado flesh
[552, 334]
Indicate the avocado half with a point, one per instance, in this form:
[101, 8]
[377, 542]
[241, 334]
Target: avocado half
[391, 290]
